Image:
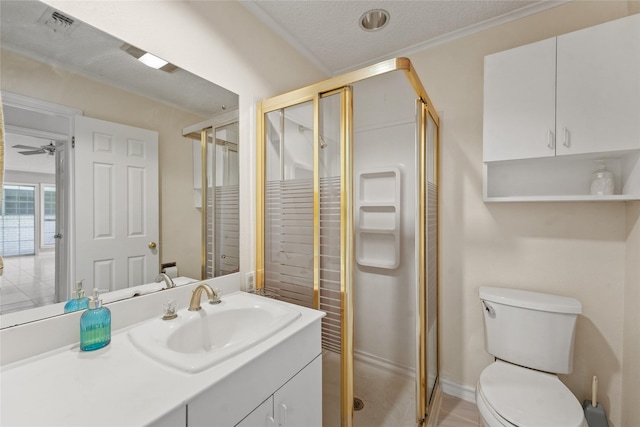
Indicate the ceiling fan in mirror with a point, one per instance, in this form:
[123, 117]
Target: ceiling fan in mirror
[43, 149]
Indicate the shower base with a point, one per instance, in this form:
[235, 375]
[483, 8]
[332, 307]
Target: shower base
[388, 396]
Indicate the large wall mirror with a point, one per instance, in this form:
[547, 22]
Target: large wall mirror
[103, 153]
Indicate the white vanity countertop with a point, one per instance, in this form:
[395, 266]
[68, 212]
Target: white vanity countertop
[114, 386]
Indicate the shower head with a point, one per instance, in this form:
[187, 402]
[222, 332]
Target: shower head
[302, 128]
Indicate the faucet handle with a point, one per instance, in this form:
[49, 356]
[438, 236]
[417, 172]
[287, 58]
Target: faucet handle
[169, 310]
[215, 298]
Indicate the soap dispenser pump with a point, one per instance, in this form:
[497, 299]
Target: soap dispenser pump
[78, 301]
[95, 325]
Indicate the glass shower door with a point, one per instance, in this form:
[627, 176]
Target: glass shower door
[289, 205]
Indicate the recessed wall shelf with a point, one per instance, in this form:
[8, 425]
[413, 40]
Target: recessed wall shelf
[377, 221]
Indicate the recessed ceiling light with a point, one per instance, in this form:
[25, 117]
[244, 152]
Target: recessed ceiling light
[152, 61]
[149, 59]
[374, 20]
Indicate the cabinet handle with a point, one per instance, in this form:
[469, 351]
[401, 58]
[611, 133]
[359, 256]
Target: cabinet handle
[271, 422]
[551, 140]
[283, 415]
[566, 142]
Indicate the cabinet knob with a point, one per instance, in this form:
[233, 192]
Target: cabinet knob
[152, 245]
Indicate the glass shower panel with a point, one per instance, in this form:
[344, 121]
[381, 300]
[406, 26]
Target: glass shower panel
[288, 209]
[225, 224]
[385, 282]
[330, 253]
[432, 258]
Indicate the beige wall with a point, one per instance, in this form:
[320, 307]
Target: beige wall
[181, 244]
[575, 249]
[631, 335]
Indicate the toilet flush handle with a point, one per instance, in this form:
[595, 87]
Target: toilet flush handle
[490, 310]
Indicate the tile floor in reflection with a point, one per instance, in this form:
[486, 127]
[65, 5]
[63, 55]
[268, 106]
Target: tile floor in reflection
[27, 281]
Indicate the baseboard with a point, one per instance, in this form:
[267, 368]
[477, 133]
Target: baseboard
[382, 363]
[462, 391]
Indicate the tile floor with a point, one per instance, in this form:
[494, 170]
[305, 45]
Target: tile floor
[455, 412]
[388, 398]
[27, 281]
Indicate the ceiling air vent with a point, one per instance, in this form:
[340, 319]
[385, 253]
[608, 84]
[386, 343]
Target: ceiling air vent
[58, 22]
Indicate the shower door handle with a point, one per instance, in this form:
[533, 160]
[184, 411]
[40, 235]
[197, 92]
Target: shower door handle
[57, 236]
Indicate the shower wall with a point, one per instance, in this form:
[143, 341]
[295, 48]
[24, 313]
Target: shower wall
[385, 283]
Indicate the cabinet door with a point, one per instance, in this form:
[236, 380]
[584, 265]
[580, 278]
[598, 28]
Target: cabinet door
[175, 418]
[599, 88]
[262, 416]
[519, 102]
[298, 403]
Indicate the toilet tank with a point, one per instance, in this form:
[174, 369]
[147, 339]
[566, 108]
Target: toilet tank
[530, 329]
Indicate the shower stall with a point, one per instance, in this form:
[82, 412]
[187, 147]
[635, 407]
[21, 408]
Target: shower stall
[347, 223]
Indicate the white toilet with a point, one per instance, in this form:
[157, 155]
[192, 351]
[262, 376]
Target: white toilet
[531, 335]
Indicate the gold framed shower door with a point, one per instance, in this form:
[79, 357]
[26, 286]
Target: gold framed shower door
[313, 93]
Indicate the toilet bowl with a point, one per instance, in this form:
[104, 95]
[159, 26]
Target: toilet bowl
[531, 335]
[510, 395]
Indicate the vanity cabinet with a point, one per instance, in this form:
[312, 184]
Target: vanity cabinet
[284, 383]
[553, 107]
[175, 418]
[262, 416]
[296, 403]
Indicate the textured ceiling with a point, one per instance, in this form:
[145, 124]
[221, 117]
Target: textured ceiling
[327, 32]
[90, 52]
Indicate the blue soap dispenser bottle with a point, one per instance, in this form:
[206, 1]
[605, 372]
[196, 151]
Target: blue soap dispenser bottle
[78, 301]
[95, 325]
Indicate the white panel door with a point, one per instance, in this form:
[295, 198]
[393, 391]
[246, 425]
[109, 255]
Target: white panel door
[519, 102]
[116, 205]
[599, 88]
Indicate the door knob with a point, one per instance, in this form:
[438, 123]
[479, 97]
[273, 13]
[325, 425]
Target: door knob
[152, 245]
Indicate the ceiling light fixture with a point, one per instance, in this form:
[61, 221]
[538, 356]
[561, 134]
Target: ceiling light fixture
[149, 59]
[152, 61]
[374, 20]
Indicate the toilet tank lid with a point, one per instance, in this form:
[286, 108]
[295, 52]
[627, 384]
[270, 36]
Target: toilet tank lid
[532, 300]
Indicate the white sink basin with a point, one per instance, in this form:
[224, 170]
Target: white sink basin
[197, 340]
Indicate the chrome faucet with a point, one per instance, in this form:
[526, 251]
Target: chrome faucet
[168, 280]
[194, 304]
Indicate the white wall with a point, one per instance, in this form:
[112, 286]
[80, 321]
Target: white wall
[221, 42]
[575, 249]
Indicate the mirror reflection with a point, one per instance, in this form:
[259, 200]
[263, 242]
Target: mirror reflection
[100, 179]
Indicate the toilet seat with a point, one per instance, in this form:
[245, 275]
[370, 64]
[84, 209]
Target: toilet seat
[515, 396]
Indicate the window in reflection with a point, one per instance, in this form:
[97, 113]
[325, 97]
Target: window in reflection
[18, 220]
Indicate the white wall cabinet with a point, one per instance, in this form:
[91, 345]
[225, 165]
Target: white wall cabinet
[519, 102]
[553, 107]
[598, 88]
